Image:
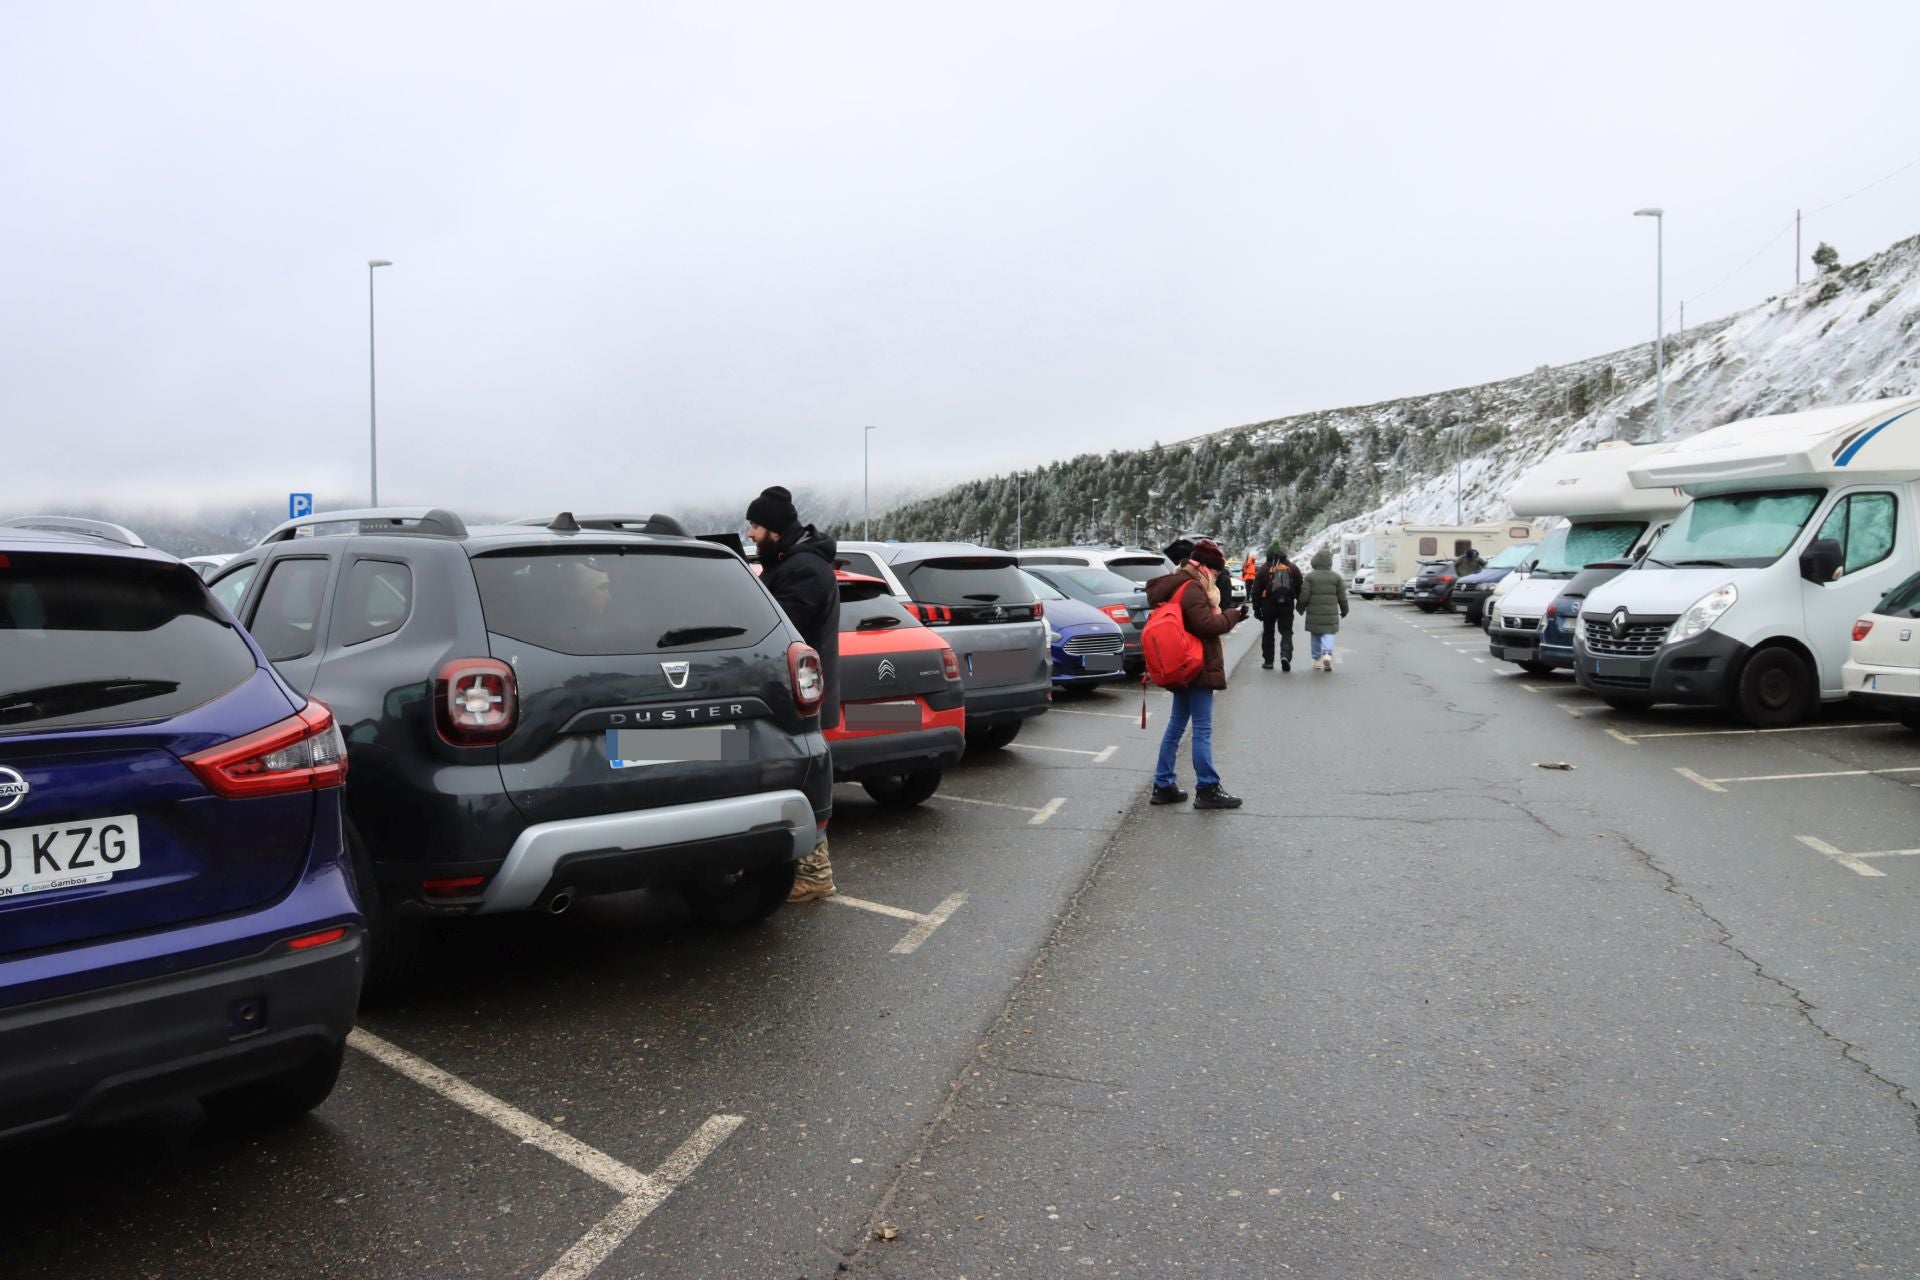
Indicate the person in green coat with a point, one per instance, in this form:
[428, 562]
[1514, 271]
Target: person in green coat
[1323, 602]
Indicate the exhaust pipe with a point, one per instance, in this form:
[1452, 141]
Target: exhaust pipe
[560, 901]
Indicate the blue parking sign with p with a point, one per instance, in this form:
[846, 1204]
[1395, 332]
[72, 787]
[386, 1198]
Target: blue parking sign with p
[299, 504]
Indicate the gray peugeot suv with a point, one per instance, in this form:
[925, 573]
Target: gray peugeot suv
[976, 599]
[537, 713]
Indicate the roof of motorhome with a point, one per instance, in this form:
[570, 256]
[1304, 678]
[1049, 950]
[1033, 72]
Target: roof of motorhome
[1876, 441]
[1594, 483]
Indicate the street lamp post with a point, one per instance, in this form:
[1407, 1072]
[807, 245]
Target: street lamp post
[1659, 312]
[1019, 506]
[866, 485]
[373, 422]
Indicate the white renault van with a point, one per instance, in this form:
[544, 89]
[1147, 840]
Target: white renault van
[1608, 519]
[1799, 523]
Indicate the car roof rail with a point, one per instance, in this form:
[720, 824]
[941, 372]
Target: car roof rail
[100, 529]
[617, 522]
[432, 521]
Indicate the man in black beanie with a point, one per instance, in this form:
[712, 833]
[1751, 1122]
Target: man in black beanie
[796, 565]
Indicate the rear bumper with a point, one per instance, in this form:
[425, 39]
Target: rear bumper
[1695, 672]
[616, 852]
[102, 1055]
[887, 755]
[1890, 691]
[1007, 706]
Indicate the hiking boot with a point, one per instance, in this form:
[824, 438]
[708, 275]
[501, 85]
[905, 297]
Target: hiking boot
[1286, 664]
[811, 890]
[1266, 666]
[1215, 797]
[814, 880]
[1169, 795]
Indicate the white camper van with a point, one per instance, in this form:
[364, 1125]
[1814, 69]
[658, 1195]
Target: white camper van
[1799, 523]
[1400, 548]
[1608, 519]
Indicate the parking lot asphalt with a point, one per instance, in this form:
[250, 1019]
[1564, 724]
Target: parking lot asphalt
[1421, 1008]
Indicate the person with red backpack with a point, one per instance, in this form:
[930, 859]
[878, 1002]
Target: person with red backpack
[1182, 645]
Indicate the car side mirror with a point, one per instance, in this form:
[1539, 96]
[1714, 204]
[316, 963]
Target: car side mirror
[1821, 559]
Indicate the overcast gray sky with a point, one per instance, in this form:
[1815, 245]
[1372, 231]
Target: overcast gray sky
[654, 253]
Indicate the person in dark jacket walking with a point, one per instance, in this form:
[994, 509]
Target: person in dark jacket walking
[1275, 589]
[796, 565]
[1197, 584]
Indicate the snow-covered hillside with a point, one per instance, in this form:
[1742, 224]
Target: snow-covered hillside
[1847, 335]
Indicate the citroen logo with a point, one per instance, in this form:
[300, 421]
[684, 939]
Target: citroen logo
[676, 673]
[1620, 623]
[13, 788]
[887, 670]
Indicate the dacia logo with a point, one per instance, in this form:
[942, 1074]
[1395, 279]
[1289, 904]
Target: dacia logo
[887, 669]
[13, 788]
[676, 673]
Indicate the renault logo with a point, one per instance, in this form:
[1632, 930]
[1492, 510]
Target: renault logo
[13, 788]
[1620, 623]
[676, 673]
[887, 670]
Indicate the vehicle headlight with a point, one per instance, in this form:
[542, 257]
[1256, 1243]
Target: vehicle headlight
[1703, 613]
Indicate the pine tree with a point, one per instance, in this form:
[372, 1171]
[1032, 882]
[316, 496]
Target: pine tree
[1826, 257]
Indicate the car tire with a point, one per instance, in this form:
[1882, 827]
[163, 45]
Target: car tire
[1627, 701]
[996, 738]
[394, 943]
[1535, 667]
[1426, 606]
[742, 899]
[905, 790]
[1775, 690]
[277, 1099]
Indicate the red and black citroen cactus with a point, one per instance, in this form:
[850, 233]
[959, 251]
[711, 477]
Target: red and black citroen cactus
[902, 715]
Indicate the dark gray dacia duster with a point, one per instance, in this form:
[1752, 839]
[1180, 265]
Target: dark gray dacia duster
[538, 713]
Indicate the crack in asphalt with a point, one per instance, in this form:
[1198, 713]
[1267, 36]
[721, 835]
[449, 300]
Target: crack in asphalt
[1805, 1008]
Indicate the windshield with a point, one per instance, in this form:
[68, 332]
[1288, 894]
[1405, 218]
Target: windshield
[1736, 530]
[1512, 556]
[1565, 552]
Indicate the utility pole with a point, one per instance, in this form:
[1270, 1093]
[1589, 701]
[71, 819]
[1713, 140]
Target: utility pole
[1659, 313]
[1459, 462]
[1796, 248]
[373, 398]
[1683, 317]
[1018, 490]
[866, 486]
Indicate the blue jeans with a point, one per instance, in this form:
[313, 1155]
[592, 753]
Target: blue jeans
[1195, 705]
[1322, 643]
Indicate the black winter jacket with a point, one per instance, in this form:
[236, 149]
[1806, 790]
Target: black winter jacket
[800, 576]
[1277, 584]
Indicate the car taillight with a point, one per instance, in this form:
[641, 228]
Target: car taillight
[1446, 577]
[452, 887]
[1861, 628]
[1118, 612]
[950, 664]
[1553, 607]
[1039, 609]
[932, 615]
[809, 678]
[304, 752]
[476, 701]
[309, 941]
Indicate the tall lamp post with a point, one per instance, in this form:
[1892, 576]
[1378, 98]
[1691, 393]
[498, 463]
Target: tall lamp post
[866, 485]
[1659, 312]
[373, 422]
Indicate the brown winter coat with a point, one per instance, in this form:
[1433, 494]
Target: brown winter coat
[1203, 616]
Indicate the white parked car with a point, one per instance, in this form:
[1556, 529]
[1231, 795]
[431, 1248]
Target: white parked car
[205, 566]
[1883, 668]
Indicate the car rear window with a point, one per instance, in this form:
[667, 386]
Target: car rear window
[1101, 580]
[1903, 601]
[966, 581]
[623, 599]
[869, 606]
[1138, 568]
[93, 640]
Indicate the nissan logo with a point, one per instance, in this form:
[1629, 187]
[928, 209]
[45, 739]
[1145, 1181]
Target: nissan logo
[13, 788]
[1619, 622]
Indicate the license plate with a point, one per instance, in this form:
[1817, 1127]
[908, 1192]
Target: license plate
[883, 715]
[1100, 662]
[1512, 653]
[633, 748]
[1616, 666]
[1004, 664]
[65, 854]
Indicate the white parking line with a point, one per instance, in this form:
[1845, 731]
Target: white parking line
[1040, 815]
[1105, 755]
[1108, 715]
[1576, 712]
[1065, 751]
[923, 925]
[1853, 861]
[643, 1192]
[1737, 733]
[1046, 812]
[1713, 784]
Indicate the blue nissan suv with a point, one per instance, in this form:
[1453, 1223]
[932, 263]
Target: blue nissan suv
[177, 914]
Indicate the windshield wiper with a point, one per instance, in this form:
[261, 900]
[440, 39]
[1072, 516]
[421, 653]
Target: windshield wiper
[79, 695]
[1650, 560]
[1705, 564]
[983, 599]
[875, 624]
[694, 635]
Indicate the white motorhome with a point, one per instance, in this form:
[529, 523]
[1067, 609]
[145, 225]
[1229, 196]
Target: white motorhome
[1399, 549]
[1798, 524]
[1607, 519]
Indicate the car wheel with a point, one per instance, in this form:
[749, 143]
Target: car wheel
[905, 791]
[1426, 606]
[740, 899]
[280, 1098]
[993, 739]
[1627, 701]
[1535, 667]
[394, 943]
[1775, 690]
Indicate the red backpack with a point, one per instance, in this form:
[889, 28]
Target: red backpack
[1175, 656]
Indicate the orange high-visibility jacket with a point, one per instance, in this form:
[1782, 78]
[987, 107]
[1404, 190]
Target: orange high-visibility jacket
[1250, 570]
